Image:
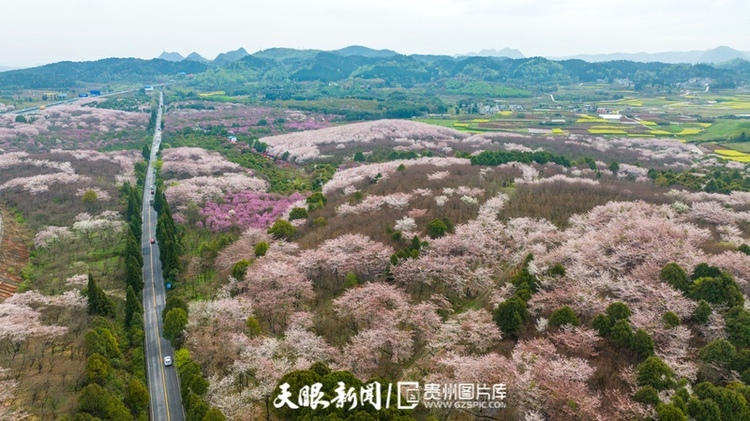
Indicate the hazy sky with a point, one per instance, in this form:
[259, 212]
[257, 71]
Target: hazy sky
[35, 32]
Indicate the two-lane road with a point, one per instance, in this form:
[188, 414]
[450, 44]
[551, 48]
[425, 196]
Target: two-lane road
[163, 382]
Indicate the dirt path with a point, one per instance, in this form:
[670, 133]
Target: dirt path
[14, 254]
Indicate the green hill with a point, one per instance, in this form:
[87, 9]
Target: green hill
[69, 74]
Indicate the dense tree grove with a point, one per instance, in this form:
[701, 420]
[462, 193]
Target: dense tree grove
[99, 303]
[504, 157]
[167, 235]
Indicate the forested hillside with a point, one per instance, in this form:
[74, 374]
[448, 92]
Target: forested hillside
[66, 74]
[306, 66]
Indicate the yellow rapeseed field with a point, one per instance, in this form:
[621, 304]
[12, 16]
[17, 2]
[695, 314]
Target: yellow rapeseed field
[607, 131]
[688, 132]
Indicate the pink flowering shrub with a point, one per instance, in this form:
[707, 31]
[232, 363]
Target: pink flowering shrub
[542, 379]
[68, 299]
[335, 297]
[102, 195]
[567, 179]
[737, 264]
[716, 213]
[653, 152]
[242, 248]
[387, 328]
[349, 253]
[617, 251]
[470, 332]
[125, 159]
[276, 287]
[246, 209]
[197, 190]
[465, 262]
[48, 188]
[41, 183]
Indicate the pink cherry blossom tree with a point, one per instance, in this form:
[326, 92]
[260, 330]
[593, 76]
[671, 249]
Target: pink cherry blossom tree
[349, 253]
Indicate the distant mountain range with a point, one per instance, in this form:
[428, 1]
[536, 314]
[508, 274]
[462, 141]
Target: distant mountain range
[197, 57]
[358, 50]
[221, 59]
[505, 52]
[68, 74]
[356, 62]
[230, 56]
[171, 56]
[5, 68]
[714, 56]
[277, 54]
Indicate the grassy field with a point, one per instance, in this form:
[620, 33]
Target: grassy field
[738, 146]
[723, 130]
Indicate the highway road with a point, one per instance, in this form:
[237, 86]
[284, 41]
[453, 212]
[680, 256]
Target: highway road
[72, 100]
[67, 101]
[163, 382]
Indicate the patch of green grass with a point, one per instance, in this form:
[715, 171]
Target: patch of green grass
[739, 146]
[100, 255]
[724, 130]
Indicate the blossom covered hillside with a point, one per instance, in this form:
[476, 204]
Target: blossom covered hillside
[410, 135]
[209, 191]
[238, 118]
[575, 276]
[403, 136]
[49, 188]
[571, 282]
[70, 126]
[66, 208]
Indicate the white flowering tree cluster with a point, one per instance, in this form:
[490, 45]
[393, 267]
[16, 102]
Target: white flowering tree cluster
[198, 190]
[304, 146]
[353, 253]
[70, 125]
[201, 175]
[21, 314]
[372, 172]
[186, 161]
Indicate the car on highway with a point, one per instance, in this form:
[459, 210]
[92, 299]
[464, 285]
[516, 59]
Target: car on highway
[153, 241]
[167, 361]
